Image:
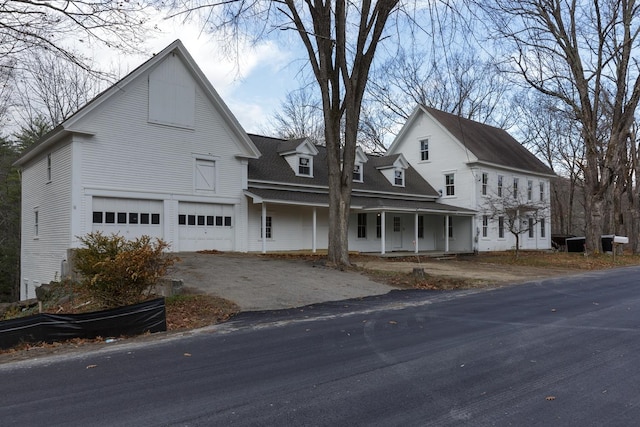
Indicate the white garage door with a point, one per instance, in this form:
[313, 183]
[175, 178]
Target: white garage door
[203, 226]
[130, 218]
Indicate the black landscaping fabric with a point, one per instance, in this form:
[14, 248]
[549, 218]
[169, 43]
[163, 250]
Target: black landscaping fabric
[149, 316]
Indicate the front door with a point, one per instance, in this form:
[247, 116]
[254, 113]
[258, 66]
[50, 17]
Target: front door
[397, 232]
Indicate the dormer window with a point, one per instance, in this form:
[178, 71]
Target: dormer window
[398, 178]
[357, 173]
[304, 166]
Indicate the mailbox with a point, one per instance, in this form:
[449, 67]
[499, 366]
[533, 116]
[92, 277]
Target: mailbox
[620, 239]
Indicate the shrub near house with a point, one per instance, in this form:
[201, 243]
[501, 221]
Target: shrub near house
[116, 272]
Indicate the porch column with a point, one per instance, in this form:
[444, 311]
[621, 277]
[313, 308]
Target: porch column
[314, 232]
[383, 232]
[415, 234]
[264, 227]
[446, 233]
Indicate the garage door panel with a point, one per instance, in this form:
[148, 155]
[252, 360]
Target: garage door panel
[203, 226]
[130, 218]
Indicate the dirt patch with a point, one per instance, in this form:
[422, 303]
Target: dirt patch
[488, 273]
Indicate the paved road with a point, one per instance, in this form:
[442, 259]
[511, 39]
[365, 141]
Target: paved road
[561, 352]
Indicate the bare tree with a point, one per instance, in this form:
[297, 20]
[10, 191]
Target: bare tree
[581, 53]
[460, 82]
[340, 39]
[300, 116]
[517, 214]
[30, 26]
[554, 136]
[53, 90]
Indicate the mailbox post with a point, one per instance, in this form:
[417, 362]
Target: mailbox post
[618, 240]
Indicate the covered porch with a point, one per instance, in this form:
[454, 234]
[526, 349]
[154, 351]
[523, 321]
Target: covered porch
[376, 224]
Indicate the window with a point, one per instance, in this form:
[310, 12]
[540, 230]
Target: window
[485, 183]
[205, 175]
[144, 218]
[485, 225]
[357, 173]
[531, 230]
[122, 217]
[182, 219]
[543, 231]
[500, 185]
[378, 226]
[449, 185]
[201, 219]
[191, 220]
[227, 221]
[420, 227]
[397, 225]
[399, 177]
[529, 190]
[155, 219]
[267, 227]
[424, 149]
[501, 227]
[97, 217]
[36, 223]
[362, 225]
[49, 167]
[133, 217]
[218, 221]
[110, 217]
[515, 188]
[304, 166]
[210, 220]
[542, 191]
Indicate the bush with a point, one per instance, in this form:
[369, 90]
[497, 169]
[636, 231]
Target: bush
[116, 272]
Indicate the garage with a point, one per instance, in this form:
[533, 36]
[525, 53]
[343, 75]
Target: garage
[130, 218]
[203, 226]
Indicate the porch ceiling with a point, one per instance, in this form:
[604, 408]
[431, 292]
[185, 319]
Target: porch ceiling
[368, 203]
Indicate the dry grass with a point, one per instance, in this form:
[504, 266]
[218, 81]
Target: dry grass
[574, 261]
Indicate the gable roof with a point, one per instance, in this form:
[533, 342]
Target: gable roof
[489, 144]
[273, 168]
[69, 126]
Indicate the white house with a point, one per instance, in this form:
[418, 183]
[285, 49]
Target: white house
[159, 153]
[472, 164]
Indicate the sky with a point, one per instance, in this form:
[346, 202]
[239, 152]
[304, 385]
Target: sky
[252, 85]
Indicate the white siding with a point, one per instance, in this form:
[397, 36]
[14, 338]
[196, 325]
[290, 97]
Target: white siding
[43, 254]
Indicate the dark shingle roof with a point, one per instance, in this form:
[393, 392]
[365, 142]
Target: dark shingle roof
[489, 144]
[370, 202]
[272, 167]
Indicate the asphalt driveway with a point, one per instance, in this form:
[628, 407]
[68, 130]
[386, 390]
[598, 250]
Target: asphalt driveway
[262, 283]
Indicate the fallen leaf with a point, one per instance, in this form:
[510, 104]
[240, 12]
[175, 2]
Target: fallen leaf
[91, 366]
[393, 322]
[553, 310]
[550, 398]
[187, 354]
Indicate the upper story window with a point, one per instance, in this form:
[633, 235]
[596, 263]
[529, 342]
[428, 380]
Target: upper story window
[304, 166]
[500, 179]
[541, 191]
[449, 185]
[529, 190]
[36, 223]
[357, 172]
[485, 183]
[398, 177]
[515, 188]
[424, 149]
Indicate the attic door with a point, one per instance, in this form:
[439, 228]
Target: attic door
[172, 94]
